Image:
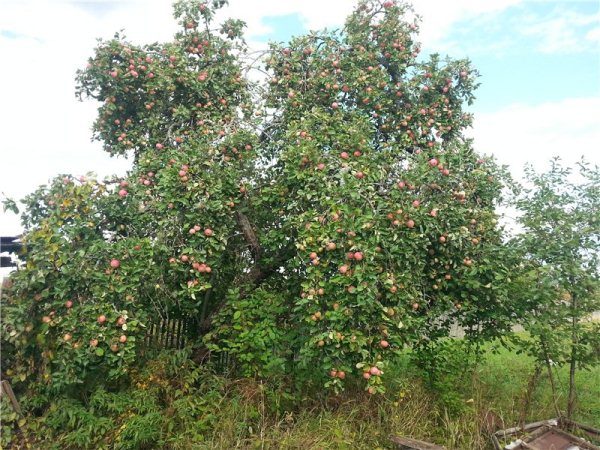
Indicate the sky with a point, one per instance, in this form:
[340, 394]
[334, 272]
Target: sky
[539, 62]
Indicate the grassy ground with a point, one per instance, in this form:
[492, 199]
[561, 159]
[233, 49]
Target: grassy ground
[172, 405]
[493, 393]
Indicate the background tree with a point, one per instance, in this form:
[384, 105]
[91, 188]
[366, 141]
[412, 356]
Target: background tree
[318, 222]
[560, 216]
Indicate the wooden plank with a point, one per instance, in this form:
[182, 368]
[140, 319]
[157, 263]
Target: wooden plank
[5, 388]
[571, 423]
[414, 444]
[529, 426]
[180, 333]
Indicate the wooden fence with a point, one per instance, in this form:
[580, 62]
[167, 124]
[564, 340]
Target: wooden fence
[170, 332]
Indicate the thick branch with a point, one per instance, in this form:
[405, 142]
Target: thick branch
[249, 236]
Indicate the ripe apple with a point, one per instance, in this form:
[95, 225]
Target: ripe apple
[335, 105]
[46, 319]
[374, 371]
[313, 255]
[69, 304]
[358, 256]
[115, 263]
[442, 239]
[384, 343]
[360, 175]
[67, 337]
[121, 321]
[114, 348]
[341, 374]
[416, 203]
[123, 339]
[433, 162]
[415, 306]
[344, 155]
[101, 319]
[208, 232]
[331, 246]
[366, 375]
[122, 193]
[343, 269]
[333, 373]
[94, 342]
[410, 223]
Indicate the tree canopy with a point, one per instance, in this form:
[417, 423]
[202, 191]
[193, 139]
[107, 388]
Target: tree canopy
[316, 218]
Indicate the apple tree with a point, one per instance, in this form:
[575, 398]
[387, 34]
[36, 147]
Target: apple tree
[560, 242]
[314, 207]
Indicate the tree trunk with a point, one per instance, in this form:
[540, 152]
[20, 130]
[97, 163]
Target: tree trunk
[573, 362]
[551, 377]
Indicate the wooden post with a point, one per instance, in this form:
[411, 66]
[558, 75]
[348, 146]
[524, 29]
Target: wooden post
[5, 388]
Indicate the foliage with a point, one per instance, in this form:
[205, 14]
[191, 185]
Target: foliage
[561, 220]
[200, 409]
[321, 220]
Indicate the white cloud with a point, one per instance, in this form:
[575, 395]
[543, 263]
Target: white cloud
[518, 134]
[563, 31]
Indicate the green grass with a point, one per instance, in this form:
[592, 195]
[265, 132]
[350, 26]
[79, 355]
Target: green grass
[356, 420]
[223, 413]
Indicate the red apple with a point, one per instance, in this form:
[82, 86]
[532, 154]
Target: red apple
[358, 256]
[208, 232]
[410, 223]
[123, 193]
[331, 246]
[341, 374]
[115, 263]
[343, 269]
[101, 319]
[344, 155]
[123, 339]
[433, 162]
[384, 343]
